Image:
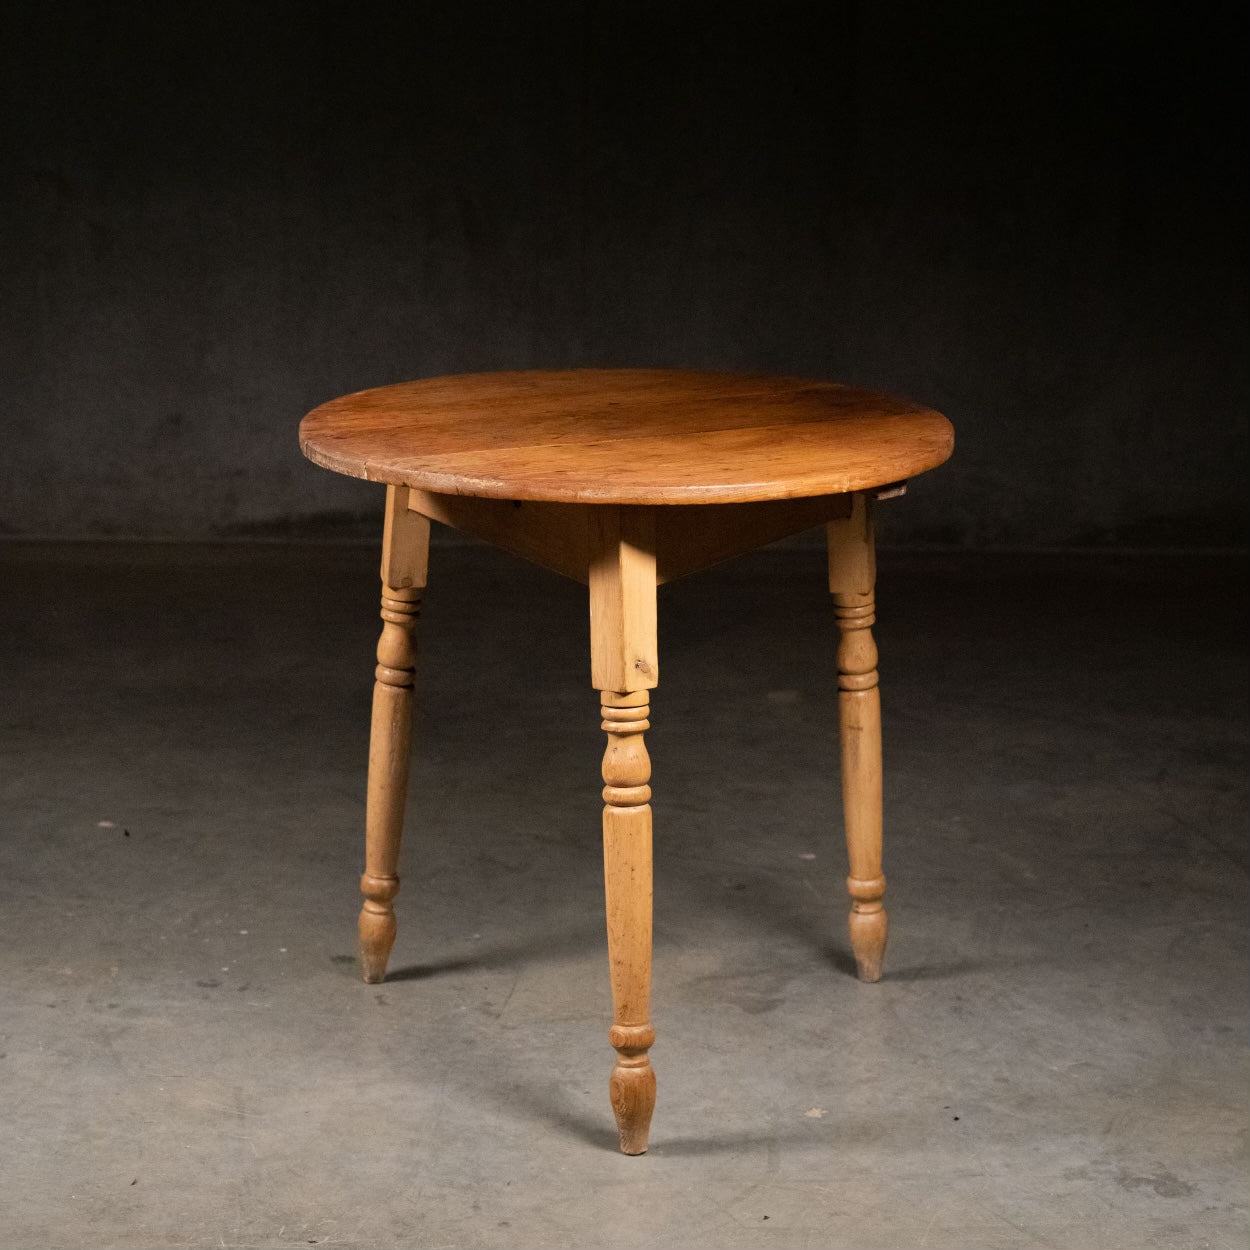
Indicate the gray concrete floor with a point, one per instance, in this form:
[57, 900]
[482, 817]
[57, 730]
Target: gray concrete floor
[1057, 1056]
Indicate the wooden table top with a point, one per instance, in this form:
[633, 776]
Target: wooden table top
[626, 436]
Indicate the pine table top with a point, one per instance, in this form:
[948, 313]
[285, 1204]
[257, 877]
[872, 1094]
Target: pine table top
[626, 436]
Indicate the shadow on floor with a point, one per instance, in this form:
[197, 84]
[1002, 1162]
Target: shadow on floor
[531, 948]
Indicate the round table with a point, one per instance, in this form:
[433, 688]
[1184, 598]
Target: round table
[623, 479]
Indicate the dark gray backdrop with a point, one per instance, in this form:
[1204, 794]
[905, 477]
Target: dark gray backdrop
[217, 215]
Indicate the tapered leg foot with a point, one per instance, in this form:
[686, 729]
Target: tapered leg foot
[631, 1086]
[377, 926]
[869, 926]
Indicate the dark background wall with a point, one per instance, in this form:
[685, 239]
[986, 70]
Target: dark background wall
[216, 215]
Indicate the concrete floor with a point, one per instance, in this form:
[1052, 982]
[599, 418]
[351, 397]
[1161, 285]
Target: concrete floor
[1057, 1056]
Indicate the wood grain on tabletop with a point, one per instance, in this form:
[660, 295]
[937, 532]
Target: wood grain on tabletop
[626, 436]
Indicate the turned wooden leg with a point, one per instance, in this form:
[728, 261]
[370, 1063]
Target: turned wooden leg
[627, 884]
[852, 573]
[405, 547]
[624, 668]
